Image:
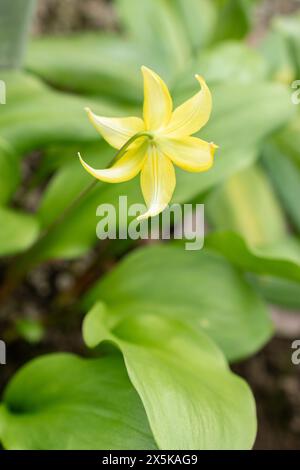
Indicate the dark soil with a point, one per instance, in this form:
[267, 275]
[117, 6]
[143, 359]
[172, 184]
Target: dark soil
[275, 382]
[61, 16]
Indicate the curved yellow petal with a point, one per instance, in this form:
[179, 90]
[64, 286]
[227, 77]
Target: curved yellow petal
[190, 154]
[158, 182]
[116, 131]
[157, 101]
[193, 114]
[123, 170]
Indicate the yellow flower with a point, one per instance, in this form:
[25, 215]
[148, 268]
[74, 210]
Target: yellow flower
[151, 145]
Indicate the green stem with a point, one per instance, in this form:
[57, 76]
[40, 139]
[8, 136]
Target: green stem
[123, 149]
[86, 190]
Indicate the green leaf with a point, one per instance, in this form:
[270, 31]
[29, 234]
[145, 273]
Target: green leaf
[63, 402]
[178, 373]
[246, 204]
[199, 18]
[227, 162]
[281, 259]
[234, 18]
[288, 139]
[156, 26]
[285, 176]
[18, 231]
[289, 28]
[181, 285]
[109, 65]
[251, 228]
[244, 114]
[278, 291]
[36, 116]
[223, 63]
[279, 58]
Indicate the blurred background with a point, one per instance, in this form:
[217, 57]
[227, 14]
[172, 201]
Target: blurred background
[270, 374]
[62, 16]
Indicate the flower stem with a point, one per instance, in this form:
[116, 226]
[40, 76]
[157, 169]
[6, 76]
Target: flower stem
[24, 262]
[123, 149]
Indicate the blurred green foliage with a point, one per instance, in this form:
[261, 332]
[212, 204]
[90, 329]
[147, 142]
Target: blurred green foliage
[176, 317]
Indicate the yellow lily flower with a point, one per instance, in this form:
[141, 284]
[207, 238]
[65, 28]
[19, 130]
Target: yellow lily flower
[153, 144]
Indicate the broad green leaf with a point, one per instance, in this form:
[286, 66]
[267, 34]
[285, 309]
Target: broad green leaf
[251, 228]
[109, 65]
[20, 86]
[223, 63]
[285, 175]
[278, 291]
[244, 114]
[156, 26]
[227, 162]
[281, 259]
[63, 402]
[18, 231]
[246, 203]
[36, 123]
[181, 285]
[36, 116]
[191, 398]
